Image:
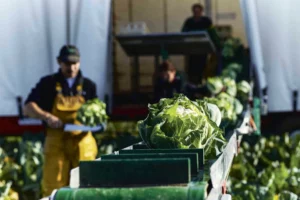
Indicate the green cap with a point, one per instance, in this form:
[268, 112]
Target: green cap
[69, 53]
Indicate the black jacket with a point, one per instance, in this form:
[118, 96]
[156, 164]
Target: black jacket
[44, 93]
[164, 89]
[191, 25]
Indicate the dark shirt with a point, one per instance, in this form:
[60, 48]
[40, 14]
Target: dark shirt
[194, 92]
[44, 92]
[192, 25]
[196, 63]
[164, 89]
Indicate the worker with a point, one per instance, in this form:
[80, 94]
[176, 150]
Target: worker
[55, 100]
[168, 81]
[198, 22]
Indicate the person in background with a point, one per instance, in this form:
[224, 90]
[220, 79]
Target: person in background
[55, 100]
[168, 81]
[198, 22]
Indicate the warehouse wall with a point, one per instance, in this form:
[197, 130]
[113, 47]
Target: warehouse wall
[228, 12]
[165, 16]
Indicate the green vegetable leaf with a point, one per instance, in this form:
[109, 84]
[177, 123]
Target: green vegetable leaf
[92, 113]
[182, 123]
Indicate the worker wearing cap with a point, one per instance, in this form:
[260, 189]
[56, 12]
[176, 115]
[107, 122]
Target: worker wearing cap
[198, 22]
[55, 100]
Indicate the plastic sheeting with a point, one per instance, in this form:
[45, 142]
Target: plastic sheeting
[293, 45]
[278, 31]
[252, 28]
[33, 31]
[90, 31]
[272, 22]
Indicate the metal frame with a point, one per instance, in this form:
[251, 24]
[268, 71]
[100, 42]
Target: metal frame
[159, 42]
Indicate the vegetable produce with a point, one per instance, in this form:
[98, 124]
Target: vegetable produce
[92, 113]
[227, 110]
[229, 73]
[230, 86]
[182, 123]
[243, 90]
[285, 195]
[238, 107]
[214, 113]
[229, 106]
[232, 70]
[6, 193]
[9, 172]
[20, 169]
[215, 85]
[235, 67]
[272, 163]
[32, 162]
[21, 161]
[230, 47]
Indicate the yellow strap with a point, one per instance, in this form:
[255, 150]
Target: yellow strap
[58, 87]
[78, 88]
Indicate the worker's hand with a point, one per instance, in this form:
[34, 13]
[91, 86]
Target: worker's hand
[53, 121]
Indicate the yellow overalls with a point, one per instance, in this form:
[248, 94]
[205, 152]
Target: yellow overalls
[64, 150]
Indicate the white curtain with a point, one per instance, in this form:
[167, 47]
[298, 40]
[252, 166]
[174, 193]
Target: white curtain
[250, 17]
[293, 44]
[90, 31]
[33, 31]
[278, 31]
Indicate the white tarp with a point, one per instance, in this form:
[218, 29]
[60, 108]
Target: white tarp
[272, 22]
[249, 12]
[33, 31]
[293, 44]
[278, 28]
